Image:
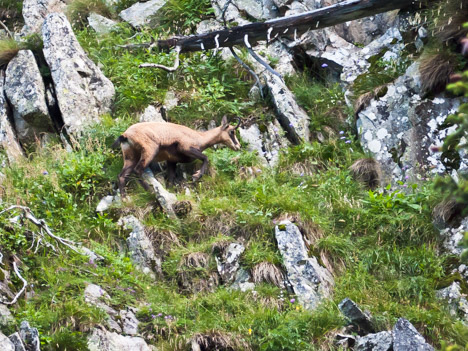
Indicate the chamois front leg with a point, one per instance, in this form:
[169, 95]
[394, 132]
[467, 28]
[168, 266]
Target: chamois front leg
[195, 153]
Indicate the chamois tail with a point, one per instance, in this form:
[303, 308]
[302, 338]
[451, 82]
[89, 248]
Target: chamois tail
[119, 141]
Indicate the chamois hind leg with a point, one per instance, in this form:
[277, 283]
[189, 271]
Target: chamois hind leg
[145, 159]
[171, 172]
[130, 162]
[195, 153]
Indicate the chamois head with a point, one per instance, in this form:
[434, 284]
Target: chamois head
[228, 134]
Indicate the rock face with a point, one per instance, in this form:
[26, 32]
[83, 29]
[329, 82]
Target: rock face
[354, 314]
[25, 91]
[83, 92]
[96, 296]
[102, 340]
[6, 344]
[101, 24]
[242, 281]
[8, 140]
[228, 262]
[407, 338]
[399, 128]
[35, 11]
[258, 9]
[310, 281]
[140, 246]
[453, 236]
[375, 342]
[141, 13]
[129, 322]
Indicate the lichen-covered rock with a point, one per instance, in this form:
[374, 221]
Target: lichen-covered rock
[453, 236]
[399, 128]
[407, 338]
[355, 315]
[231, 14]
[457, 303]
[105, 203]
[25, 90]
[83, 92]
[142, 13]
[35, 11]
[97, 296]
[228, 262]
[30, 337]
[103, 340]
[140, 246]
[6, 344]
[382, 341]
[310, 281]
[8, 141]
[101, 24]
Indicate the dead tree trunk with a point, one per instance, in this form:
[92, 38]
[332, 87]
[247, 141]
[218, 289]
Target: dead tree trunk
[291, 26]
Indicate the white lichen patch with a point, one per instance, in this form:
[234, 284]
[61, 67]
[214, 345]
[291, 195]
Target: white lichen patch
[382, 133]
[375, 146]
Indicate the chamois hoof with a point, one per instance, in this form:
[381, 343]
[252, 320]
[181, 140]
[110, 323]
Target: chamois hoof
[196, 176]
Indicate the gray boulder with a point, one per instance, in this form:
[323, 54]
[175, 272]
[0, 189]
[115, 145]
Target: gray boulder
[291, 116]
[103, 340]
[142, 13]
[267, 143]
[228, 262]
[96, 296]
[30, 337]
[355, 315]
[140, 246]
[452, 237]
[231, 14]
[375, 342]
[101, 24]
[310, 281]
[242, 281]
[18, 344]
[8, 140]
[25, 90]
[151, 114]
[35, 11]
[129, 322]
[6, 318]
[6, 344]
[83, 92]
[258, 9]
[165, 198]
[399, 128]
[407, 338]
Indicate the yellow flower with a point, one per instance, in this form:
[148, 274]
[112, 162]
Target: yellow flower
[250, 331]
[298, 308]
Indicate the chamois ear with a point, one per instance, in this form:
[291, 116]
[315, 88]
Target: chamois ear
[224, 123]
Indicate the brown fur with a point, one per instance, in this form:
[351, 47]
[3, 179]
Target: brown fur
[435, 69]
[144, 142]
[367, 171]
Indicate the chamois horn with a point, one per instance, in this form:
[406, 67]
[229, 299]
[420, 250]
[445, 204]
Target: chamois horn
[238, 122]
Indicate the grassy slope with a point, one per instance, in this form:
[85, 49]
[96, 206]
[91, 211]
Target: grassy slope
[382, 246]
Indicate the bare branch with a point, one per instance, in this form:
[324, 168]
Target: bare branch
[257, 80]
[7, 30]
[25, 284]
[169, 69]
[263, 62]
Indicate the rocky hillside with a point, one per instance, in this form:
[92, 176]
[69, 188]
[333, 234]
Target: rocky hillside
[328, 230]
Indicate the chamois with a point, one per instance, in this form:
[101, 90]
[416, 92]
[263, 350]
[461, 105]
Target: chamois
[144, 142]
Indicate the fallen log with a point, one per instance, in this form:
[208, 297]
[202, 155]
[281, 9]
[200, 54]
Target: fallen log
[291, 26]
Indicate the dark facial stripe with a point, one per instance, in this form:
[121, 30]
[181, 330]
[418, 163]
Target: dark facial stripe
[233, 138]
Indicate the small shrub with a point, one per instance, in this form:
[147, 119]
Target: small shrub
[79, 10]
[182, 16]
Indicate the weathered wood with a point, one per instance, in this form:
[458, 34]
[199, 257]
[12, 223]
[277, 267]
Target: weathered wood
[290, 26]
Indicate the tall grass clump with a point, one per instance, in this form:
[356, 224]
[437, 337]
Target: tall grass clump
[79, 10]
[182, 16]
[8, 50]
